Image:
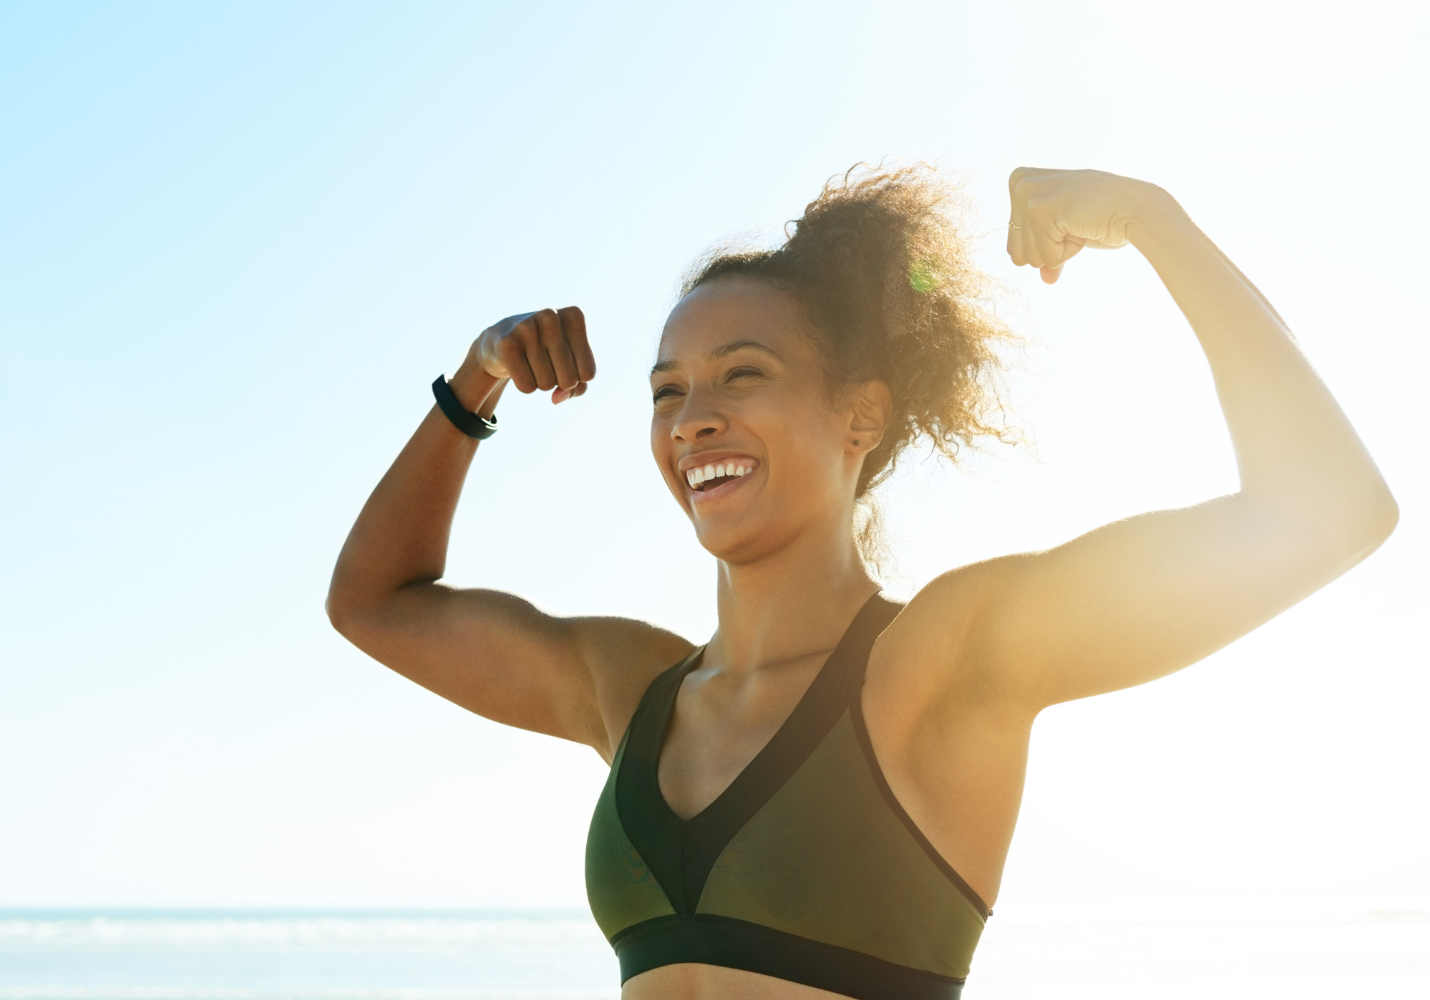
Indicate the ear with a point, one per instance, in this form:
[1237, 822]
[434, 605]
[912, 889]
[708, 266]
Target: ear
[869, 413]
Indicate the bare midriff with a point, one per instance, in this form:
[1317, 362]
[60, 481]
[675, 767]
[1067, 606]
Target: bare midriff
[713, 982]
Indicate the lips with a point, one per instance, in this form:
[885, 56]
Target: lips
[715, 474]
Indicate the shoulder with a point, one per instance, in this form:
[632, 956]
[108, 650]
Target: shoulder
[623, 655]
[938, 643]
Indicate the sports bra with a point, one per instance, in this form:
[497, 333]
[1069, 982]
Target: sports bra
[806, 868]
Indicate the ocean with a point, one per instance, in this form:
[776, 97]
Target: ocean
[1110, 950]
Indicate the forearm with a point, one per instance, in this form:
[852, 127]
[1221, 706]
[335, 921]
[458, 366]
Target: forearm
[401, 535]
[1296, 452]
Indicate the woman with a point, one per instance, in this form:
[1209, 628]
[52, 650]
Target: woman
[820, 799]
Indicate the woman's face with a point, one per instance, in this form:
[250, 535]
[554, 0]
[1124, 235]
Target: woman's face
[743, 428]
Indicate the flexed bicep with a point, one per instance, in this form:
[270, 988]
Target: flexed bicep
[1142, 597]
[500, 656]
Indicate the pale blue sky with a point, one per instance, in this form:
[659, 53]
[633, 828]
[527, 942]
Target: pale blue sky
[237, 242]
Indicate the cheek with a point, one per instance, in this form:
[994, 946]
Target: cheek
[804, 437]
[659, 441]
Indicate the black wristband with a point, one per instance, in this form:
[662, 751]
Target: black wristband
[469, 424]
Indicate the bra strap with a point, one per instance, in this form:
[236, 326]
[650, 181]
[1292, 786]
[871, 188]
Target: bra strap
[874, 617]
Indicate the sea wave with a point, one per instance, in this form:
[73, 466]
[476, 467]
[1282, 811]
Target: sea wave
[345, 993]
[295, 935]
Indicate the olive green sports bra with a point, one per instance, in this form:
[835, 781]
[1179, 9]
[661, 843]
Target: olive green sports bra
[806, 868]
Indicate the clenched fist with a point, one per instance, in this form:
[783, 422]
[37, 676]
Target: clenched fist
[1055, 213]
[544, 350]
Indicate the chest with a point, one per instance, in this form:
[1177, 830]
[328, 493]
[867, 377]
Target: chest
[803, 868]
[955, 771]
[718, 726]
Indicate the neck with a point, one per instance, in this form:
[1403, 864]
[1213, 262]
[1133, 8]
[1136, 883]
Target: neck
[790, 604]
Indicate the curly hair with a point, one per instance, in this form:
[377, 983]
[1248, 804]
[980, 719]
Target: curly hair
[887, 284]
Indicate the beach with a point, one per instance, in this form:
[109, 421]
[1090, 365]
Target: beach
[1230, 947]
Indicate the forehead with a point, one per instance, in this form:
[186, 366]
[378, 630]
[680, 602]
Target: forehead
[730, 310]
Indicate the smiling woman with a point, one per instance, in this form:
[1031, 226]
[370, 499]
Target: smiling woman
[875, 290]
[819, 800]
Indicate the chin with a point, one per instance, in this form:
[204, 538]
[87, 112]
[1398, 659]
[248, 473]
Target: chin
[729, 544]
[740, 540]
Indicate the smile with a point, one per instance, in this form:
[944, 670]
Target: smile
[717, 474]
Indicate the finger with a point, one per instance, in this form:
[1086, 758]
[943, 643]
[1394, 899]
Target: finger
[513, 358]
[573, 324]
[553, 339]
[561, 395]
[1038, 247]
[1017, 245]
[1017, 252]
[541, 329]
[1049, 248]
[1014, 179]
[1071, 246]
[1068, 249]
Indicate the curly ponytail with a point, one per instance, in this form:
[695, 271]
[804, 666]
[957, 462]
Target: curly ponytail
[887, 284]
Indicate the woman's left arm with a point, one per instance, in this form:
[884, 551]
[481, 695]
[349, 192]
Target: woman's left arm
[1143, 597]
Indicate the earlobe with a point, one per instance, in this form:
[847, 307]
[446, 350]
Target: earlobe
[872, 406]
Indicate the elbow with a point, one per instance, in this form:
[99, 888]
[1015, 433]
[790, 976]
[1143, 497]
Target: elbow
[1374, 520]
[348, 601]
[343, 610]
[1383, 520]
[339, 613]
[1333, 529]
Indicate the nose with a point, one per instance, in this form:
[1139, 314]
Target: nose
[698, 419]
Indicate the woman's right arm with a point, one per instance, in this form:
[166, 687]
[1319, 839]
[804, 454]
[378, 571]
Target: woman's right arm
[490, 652]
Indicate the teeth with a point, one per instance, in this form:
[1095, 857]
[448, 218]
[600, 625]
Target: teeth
[705, 473]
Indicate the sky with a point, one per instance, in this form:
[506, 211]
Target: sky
[238, 241]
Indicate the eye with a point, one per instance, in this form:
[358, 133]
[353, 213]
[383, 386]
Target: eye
[744, 372]
[664, 392]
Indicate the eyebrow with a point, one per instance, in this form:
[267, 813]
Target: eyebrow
[723, 351]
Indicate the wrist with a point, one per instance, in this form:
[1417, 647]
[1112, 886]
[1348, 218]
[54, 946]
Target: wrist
[475, 388]
[1153, 214]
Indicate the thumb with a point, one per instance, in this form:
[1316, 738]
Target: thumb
[1070, 246]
